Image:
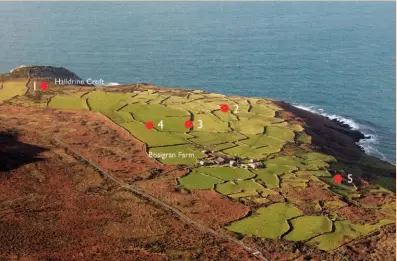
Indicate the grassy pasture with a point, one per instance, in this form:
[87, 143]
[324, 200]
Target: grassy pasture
[204, 138]
[156, 100]
[248, 186]
[195, 96]
[220, 147]
[271, 180]
[344, 232]
[118, 117]
[226, 117]
[272, 106]
[242, 104]
[249, 126]
[225, 173]
[105, 101]
[306, 227]
[210, 123]
[11, 89]
[247, 151]
[173, 119]
[262, 140]
[196, 180]
[317, 156]
[287, 161]
[290, 179]
[278, 169]
[366, 229]
[68, 102]
[267, 222]
[175, 101]
[260, 200]
[193, 106]
[154, 138]
[262, 109]
[298, 162]
[153, 109]
[280, 133]
[318, 173]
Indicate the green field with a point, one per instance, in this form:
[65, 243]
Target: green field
[244, 151]
[271, 180]
[68, 102]
[280, 133]
[306, 227]
[107, 101]
[215, 137]
[225, 173]
[268, 222]
[11, 89]
[154, 138]
[196, 180]
[250, 187]
[210, 123]
[262, 140]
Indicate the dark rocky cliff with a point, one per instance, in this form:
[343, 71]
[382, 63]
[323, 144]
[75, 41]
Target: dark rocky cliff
[48, 73]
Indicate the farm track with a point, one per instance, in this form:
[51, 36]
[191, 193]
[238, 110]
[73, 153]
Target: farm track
[148, 197]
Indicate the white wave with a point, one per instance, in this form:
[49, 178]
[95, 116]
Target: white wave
[368, 145]
[113, 84]
[108, 84]
[350, 122]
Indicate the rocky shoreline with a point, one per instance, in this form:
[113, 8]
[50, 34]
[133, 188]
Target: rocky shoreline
[335, 137]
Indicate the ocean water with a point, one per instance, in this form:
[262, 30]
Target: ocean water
[334, 58]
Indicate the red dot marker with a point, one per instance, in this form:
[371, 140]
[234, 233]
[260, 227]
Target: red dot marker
[338, 178]
[44, 86]
[149, 125]
[188, 124]
[224, 108]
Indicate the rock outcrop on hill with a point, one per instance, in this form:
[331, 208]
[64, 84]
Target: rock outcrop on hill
[48, 73]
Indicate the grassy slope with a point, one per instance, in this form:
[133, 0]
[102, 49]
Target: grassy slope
[11, 89]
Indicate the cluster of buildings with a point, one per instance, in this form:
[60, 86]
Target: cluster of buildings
[213, 159]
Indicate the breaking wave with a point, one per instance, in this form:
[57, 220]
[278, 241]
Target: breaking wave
[370, 145]
[113, 84]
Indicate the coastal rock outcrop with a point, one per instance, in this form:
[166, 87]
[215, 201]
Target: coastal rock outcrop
[48, 73]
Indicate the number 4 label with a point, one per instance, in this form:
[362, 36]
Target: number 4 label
[161, 124]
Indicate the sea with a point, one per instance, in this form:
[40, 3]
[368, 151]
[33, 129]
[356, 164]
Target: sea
[337, 59]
